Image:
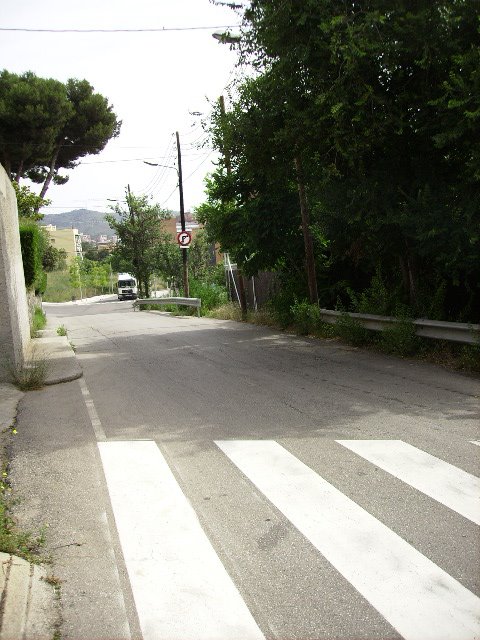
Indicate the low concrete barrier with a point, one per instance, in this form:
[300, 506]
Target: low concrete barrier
[189, 302]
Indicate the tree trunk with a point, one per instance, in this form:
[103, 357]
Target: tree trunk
[19, 173]
[409, 272]
[50, 174]
[307, 236]
[241, 293]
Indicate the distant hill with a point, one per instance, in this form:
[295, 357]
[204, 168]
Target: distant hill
[86, 221]
[90, 222]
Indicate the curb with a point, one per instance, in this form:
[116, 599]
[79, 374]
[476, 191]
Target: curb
[29, 604]
[26, 610]
[63, 365]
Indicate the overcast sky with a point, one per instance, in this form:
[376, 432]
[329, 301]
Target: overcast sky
[153, 80]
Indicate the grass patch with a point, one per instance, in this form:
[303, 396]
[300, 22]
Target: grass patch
[59, 288]
[229, 311]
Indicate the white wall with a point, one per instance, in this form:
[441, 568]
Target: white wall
[14, 323]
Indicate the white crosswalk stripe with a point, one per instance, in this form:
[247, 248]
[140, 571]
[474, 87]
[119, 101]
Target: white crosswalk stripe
[418, 598]
[440, 480]
[180, 586]
[182, 590]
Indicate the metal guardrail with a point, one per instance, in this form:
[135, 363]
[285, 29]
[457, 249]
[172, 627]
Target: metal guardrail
[451, 331]
[189, 302]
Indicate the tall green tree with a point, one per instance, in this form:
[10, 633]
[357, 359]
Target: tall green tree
[139, 231]
[47, 126]
[380, 102]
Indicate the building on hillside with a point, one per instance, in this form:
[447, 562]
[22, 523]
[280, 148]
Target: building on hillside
[173, 226]
[68, 239]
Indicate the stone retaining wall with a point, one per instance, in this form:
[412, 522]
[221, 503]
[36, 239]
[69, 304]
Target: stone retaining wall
[14, 323]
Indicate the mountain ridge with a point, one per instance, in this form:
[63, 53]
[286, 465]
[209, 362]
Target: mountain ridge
[89, 222]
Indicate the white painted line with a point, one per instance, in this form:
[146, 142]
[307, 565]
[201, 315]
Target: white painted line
[418, 598]
[445, 483]
[92, 412]
[475, 442]
[181, 589]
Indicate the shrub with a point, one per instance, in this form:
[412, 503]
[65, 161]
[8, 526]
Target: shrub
[212, 294]
[306, 317]
[400, 338]
[470, 357]
[281, 308]
[350, 330]
[31, 245]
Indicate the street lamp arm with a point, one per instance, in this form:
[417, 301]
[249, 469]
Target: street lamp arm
[154, 164]
[225, 37]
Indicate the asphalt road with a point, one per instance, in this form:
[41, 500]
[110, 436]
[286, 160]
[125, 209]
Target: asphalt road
[208, 479]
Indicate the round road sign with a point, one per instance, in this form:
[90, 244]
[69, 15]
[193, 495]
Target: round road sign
[184, 238]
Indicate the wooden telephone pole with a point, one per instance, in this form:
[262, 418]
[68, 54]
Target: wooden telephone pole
[307, 236]
[241, 281]
[186, 289]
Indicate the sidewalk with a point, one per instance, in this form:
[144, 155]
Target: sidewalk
[28, 602]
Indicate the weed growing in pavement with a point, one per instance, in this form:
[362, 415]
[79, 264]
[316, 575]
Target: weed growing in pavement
[31, 374]
[61, 330]
[39, 320]
[12, 540]
[74, 348]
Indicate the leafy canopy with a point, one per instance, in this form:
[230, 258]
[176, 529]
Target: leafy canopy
[47, 126]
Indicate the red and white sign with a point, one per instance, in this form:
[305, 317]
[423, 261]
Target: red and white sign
[184, 239]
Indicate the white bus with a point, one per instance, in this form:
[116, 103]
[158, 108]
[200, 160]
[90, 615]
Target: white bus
[126, 287]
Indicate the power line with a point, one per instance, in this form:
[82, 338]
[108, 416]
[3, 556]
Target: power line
[144, 30]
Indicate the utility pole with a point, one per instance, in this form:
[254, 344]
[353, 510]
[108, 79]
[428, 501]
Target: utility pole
[307, 236]
[186, 290]
[228, 165]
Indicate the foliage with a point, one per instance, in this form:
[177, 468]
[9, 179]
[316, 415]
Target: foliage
[39, 321]
[54, 259]
[138, 228]
[400, 339]
[32, 244]
[76, 275]
[46, 126]
[61, 330]
[89, 277]
[305, 316]
[381, 103]
[470, 357]
[211, 294]
[28, 203]
[350, 330]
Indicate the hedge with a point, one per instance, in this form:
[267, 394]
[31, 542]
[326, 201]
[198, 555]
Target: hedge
[31, 244]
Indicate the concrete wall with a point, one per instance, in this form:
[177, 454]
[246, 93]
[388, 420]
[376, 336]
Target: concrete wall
[14, 324]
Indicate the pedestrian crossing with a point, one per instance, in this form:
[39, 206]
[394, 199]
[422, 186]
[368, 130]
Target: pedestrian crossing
[182, 589]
